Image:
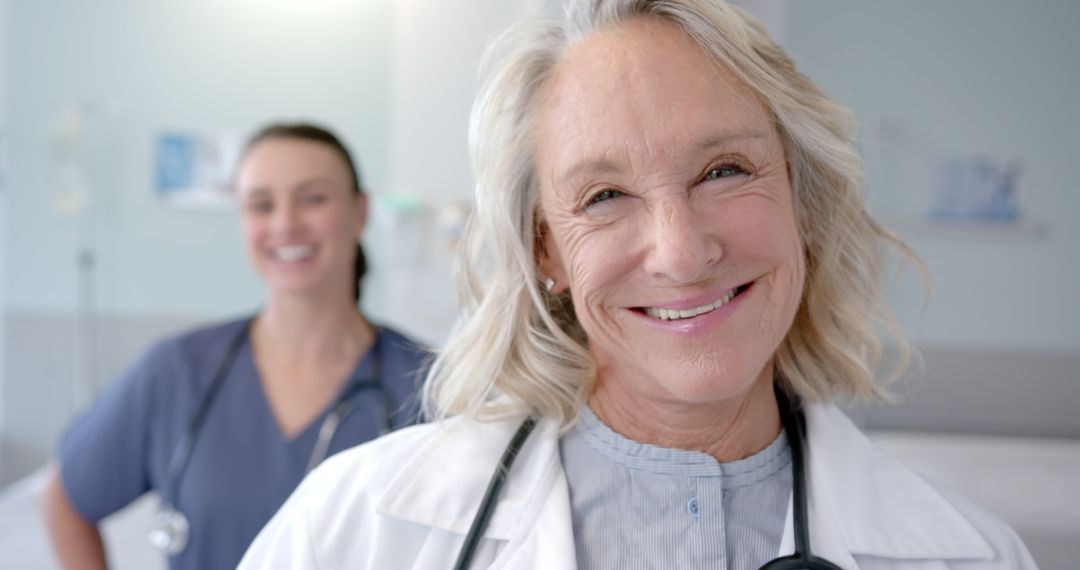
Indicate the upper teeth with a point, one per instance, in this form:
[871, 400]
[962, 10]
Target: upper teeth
[293, 252]
[673, 314]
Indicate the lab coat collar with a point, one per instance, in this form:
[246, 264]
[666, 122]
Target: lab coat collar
[863, 502]
[443, 484]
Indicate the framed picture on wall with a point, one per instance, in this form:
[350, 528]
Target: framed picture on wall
[193, 170]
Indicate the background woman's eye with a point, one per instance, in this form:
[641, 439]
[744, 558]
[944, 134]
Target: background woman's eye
[314, 199]
[724, 171]
[603, 195]
[260, 207]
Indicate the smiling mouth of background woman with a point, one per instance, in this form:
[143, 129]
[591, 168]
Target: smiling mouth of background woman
[293, 253]
[676, 314]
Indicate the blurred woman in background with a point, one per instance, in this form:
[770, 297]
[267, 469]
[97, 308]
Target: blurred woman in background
[223, 422]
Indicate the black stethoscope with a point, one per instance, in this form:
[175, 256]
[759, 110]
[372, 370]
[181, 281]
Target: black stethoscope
[793, 421]
[170, 528]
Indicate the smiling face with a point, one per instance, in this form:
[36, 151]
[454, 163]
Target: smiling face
[301, 217]
[666, 209]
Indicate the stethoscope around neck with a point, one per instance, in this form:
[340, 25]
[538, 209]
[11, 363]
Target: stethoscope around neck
[792, 418]
[170, 529]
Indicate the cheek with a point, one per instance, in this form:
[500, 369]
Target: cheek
[596, 260]
[770, 237]
[334, 222]
[252, 231]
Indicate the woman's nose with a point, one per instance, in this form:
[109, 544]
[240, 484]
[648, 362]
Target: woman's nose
[286, 217]
[684, 247]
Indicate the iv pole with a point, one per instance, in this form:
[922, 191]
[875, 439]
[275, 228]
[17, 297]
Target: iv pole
[71, 152]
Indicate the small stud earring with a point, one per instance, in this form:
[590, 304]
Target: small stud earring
[549, 284]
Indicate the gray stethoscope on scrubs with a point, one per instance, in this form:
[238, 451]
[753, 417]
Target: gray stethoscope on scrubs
[793, 421]
[170, 529]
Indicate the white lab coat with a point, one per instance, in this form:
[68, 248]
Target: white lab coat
[405, 501]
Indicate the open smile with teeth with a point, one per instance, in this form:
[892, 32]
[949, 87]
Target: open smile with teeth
[290, 253]
[675, 314]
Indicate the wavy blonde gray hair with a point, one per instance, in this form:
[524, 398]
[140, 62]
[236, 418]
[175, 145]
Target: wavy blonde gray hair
[516, 347]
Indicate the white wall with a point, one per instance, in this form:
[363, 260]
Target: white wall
[142, 67]
[935, 80]
[437, 53]
[3, 190]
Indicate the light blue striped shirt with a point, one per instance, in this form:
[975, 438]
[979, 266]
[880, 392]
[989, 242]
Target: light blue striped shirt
[638, 506]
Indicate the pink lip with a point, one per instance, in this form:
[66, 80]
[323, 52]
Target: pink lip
[700, 324]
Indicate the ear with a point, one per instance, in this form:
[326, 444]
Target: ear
[549, 263]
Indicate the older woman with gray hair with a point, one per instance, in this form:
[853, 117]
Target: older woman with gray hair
[669, 276]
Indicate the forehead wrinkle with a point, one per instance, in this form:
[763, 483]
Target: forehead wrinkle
[639, 137]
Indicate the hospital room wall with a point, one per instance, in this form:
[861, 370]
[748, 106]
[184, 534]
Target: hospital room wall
[135, 69]
[933, 81]
[3, 192]
[139, 69]
[397, 78]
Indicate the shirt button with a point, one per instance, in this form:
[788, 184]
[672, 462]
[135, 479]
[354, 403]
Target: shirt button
[692, 507]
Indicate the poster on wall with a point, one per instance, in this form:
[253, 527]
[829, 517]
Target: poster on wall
[979, 190]
[193, 170]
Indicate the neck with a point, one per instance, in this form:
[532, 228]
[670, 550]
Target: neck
[304, 329]
[729, 430]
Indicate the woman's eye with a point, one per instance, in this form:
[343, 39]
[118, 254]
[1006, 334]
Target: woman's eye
[603, 196]
[724, 171]
[314, 199]
[260, 207]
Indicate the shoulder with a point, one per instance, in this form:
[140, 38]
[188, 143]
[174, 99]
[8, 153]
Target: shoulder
[178, 366]
[885, 510]
[195, 350]
[416, 464]
[403, 348]
[361, 473]
[407, 496]
[1009, 550]
[405, 364]
[212, 338]
[331, 520]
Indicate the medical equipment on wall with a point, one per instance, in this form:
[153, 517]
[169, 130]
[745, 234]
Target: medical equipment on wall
[73, 131]
[792, 418]
[170, 528]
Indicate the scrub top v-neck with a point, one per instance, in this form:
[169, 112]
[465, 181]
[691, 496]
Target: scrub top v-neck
[242, 467]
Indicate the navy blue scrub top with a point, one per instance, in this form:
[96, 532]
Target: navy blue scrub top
[242, 468]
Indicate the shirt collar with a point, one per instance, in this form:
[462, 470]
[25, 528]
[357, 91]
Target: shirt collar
[638, 456]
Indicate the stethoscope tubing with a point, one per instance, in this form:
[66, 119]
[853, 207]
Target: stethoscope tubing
[487, 505]
[182, 455]
[343, 407]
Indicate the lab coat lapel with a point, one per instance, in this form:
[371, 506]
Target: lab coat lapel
[443, 485]
[863, 502]
[548, 542]
[826, 536]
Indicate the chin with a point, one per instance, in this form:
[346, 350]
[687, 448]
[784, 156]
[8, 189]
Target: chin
[705, 380]
[293, 288]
